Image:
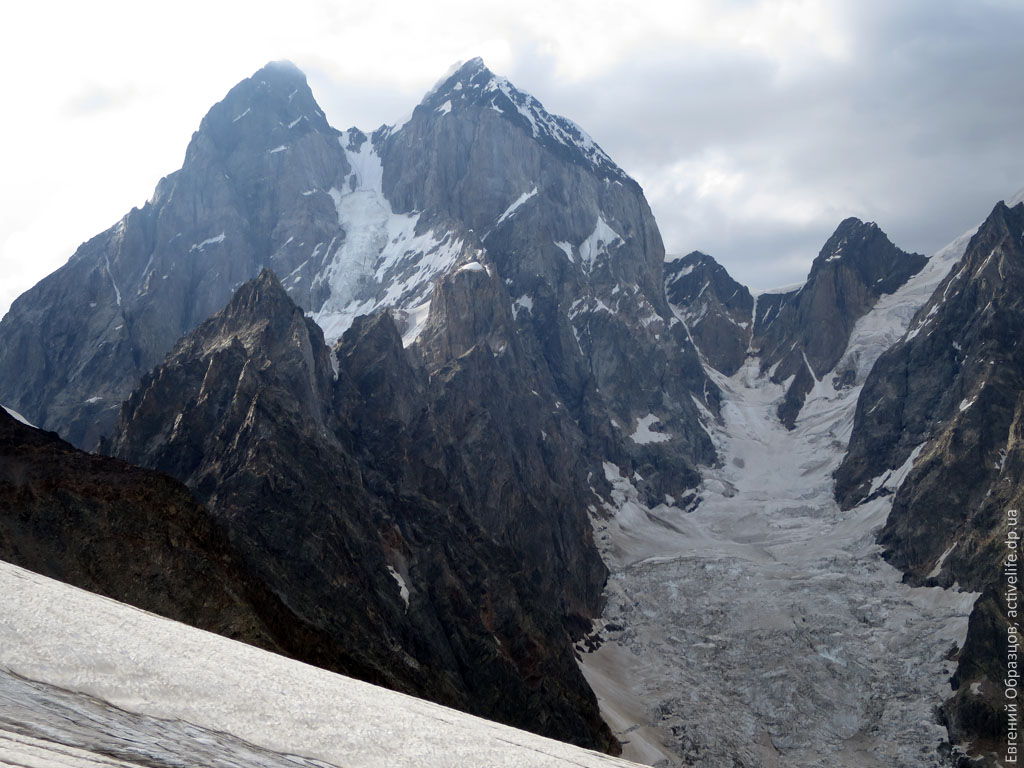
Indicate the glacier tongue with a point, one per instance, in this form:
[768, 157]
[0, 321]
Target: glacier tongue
[763, 627]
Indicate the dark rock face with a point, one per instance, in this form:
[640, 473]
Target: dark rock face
[77, 343]
[129, 533]
[947, 398]
[576, 245]
[348, 496]
[717, 310]
[804, 334]
[480, 166]
[547, 341]
[519, 452]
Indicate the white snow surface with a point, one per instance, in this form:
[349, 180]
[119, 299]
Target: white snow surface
[403, 588]
[208, 241]
[643, 434]
[760, 625]
[597, 243]
[515, 205]
[18, 417]
[86, 681]
[472, 266]
[381, 261]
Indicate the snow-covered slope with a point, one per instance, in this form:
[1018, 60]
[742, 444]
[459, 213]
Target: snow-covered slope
[14, 414]
[754, 622]
[86, 681]
[382, 261]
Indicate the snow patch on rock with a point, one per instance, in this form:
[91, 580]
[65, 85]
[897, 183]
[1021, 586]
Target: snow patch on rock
[382, 260]
[18, 417]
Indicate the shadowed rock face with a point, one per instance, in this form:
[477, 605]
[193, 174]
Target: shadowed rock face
[77, 343]
[125, 532]
[348, 496]
[805, 333]
[947, 398]
[717, 310]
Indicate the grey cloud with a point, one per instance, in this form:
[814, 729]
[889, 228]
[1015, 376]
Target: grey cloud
[919, 130]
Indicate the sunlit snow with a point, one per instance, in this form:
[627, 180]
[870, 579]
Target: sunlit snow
[17, 416]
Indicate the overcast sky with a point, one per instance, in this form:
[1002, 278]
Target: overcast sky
[754, 127]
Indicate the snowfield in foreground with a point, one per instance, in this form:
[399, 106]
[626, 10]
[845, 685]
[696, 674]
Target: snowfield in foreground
[87, 681]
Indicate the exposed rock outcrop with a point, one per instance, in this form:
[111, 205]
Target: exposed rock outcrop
[76, 344]
[803, 334]
[717, 311]
[125, 532]
[575, 243]
[943, 408]
[350, 498]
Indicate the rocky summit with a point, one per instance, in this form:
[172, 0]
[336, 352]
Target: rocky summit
[427, 405]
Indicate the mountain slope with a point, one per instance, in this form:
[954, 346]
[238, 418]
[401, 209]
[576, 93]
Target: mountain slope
[125, 532]
[952, 386]
[808, 333]
[77, 343]
[580, 254]
[717, 310]
[348, 498]
[798, 334]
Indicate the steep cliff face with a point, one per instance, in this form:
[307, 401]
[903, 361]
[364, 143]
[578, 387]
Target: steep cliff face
[76, 344]
[717, 311]
[576, 245]
[942, 408]
[805, 335]
[348, 498]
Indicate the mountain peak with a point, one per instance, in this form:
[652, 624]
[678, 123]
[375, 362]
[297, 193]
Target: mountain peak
[264, 292]
[468, 68]
[281, 68]
[851, 236]
[470, 87]
[272, 107]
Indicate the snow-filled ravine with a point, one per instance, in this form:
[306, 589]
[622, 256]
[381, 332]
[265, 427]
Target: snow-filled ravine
[763, 628]
[86, 682]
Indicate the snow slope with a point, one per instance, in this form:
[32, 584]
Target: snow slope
[17, 416]
[86, 681]
[762, 627]
[381, 261]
